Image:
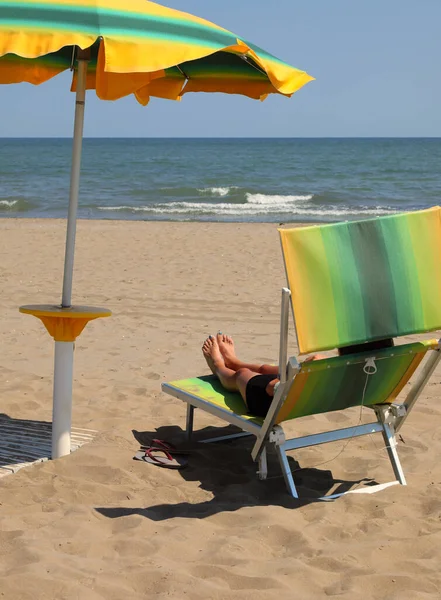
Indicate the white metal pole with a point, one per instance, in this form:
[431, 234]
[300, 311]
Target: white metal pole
[284, 322]
[62, 399]
[74, 181]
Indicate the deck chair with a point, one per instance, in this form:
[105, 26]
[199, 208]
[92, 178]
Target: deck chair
[349, 283]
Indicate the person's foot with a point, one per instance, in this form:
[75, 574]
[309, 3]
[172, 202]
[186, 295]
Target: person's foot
[212, 354]
[226, 347]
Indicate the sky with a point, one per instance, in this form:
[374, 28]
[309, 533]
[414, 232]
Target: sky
[377, 65]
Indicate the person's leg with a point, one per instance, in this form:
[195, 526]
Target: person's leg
[234, 381]
[231, 380]
[243, 376]
[227, 350]
[226, 346]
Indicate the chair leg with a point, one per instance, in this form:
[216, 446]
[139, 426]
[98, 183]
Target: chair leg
[391, 447]
[263, 466]
[189, 421]
[287, 475]
[222, 438]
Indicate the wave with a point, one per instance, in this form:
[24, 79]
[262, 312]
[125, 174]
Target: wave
[217, 191]
[15, 205]
[269, 200]
[8, 203]
[260, 202]
[195, 209]
[255, 206]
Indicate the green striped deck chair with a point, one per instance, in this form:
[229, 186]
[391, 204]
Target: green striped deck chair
[349, 283]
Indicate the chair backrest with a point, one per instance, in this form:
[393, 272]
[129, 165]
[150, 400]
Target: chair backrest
[340, 382]
[364, 280]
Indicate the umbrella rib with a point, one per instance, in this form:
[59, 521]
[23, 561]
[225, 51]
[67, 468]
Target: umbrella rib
[245, 58]
[72, 61]
[182, 71]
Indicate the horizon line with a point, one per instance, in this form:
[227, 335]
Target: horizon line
[314, 137]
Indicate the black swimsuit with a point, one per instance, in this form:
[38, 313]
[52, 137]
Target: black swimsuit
[258, 399]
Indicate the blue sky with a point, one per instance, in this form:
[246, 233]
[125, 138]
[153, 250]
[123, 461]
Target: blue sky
[377, 65]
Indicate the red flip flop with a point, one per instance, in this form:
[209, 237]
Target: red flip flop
[167, 446]
[150, 455]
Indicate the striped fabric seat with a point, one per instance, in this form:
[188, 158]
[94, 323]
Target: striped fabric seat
[337, 383]
[324, 385]
[209, 389]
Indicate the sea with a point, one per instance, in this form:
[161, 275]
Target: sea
[252, 180]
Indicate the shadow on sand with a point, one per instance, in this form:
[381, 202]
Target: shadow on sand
[227, 471]
[23, 441]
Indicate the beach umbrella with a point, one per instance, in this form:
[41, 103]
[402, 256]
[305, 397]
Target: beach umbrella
[118, 48]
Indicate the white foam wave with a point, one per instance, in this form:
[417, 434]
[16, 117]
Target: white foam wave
[8, 203]
[275, 200]
[227, 209]
[127, 208]
[217, 191]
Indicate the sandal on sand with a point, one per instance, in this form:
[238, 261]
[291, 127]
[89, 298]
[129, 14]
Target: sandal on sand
[163, 445]
[146, 442]
[160, 458]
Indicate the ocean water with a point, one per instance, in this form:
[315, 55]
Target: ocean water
[273, 180]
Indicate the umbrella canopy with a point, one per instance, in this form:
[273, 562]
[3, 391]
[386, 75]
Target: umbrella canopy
[120, 47]
[136, 47]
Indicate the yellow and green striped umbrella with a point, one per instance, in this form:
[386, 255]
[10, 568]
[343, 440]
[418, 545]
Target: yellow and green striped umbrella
[136, 47]
[120, 47]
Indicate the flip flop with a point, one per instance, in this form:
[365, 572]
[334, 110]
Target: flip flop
[167, 461]
[146, 442]
[163, 445]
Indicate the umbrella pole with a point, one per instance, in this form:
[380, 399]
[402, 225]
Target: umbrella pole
[62, 399]
[64, 350]
[74, 180]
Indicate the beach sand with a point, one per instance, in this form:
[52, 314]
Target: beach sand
[99, 525]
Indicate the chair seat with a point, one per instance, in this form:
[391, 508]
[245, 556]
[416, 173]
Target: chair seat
[208, 389]
[340, 382]
[321, 386]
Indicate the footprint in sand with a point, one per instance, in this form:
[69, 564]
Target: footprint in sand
[141, 391]
[154, 376]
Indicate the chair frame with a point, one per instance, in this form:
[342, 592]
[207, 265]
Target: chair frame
[390, 417]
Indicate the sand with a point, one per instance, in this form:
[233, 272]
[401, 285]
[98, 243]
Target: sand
[99, 525]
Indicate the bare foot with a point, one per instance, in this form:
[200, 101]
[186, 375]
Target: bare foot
[212, 354]
[226, 347]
